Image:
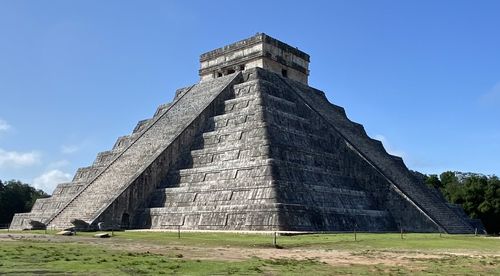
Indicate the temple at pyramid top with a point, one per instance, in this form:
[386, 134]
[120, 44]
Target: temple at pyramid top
[259, 50]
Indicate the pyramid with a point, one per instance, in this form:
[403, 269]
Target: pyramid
[249, 147]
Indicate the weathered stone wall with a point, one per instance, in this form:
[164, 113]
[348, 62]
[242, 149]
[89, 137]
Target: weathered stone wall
[260, 51]
[292, 73]
[226, 182]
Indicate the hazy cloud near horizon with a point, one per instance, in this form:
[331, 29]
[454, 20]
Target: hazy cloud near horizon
[14, 159]
[49, 180]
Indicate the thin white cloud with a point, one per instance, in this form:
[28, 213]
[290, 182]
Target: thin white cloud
[4, 126]
[58, 164]
[69, 149]
[49, 180]
[492, 96]
[14, 159]
[388, 147]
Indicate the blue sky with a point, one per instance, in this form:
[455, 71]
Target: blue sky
[422, 76]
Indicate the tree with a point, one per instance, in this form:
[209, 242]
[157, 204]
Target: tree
[472, 196]
[16, 197]
[448, 178]
[451, 187]
[489, 209]
[479, 196]
[433, 181]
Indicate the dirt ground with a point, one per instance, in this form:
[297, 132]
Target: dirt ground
[332, 257]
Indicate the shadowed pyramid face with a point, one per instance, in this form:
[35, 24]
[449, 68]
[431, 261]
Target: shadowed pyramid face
[251, 150]
[260, 51]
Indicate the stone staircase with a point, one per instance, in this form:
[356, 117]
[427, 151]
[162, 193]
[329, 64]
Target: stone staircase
[231, 171]
[150, 137]
[100, 184]
[391, 167]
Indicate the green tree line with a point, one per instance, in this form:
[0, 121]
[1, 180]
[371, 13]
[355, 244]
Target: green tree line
[478, 194]
[16, 197]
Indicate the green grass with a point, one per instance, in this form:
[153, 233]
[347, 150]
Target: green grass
[411, 241]
[75, 256]
[27, 257]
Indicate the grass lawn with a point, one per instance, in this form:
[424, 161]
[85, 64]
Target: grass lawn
[134, 253]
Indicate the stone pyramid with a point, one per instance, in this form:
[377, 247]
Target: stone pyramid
[249, 147]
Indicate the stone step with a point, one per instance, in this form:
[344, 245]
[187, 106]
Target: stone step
[228, 147]
[258, 98]
[236, 173]
[280, 134]
[161, 109]
[124, 141]
[208, 199]
[186, 210]
[241, 103]
[68, 188]
[236, 119]
[220, 185]
[87, 173]
[105, 157]
[252, 118]
[213, 142]
[213, 208]
[141, 125]
[220, 158]
[242, 132]
[280, 103]
[257, 109]
[245, 89]
[231, 170]
[215, 185]
[263, 87]
[220, 195]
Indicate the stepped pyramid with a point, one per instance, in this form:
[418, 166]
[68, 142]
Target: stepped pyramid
[249, 147]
